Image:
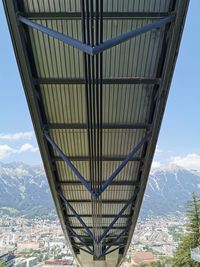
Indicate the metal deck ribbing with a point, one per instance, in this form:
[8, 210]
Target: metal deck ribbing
[96, 75]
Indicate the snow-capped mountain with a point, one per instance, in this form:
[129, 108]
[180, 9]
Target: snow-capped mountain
[169, 188]
[25, 188]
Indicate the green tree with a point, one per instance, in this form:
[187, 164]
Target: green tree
[191, 240]
[156, 264]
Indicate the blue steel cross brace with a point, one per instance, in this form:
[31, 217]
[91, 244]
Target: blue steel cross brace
[105, 253]
[97, 192]
[129, 202]
[113, 243]
[77, 216]
[80, 239]
[70, 164]
[94, 50]
[123, 164]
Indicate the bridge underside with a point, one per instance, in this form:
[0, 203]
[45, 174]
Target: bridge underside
[96, 75]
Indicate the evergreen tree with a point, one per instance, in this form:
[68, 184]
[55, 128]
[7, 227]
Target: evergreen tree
[192, 238]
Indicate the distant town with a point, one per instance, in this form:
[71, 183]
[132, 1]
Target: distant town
[40, 242]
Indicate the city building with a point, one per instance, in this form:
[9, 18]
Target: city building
[59, 263]
[143, 257]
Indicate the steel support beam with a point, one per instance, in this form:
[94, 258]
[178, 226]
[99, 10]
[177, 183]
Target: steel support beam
[78, 247]
[77, 216]
[104, 158]
[107, 237]
[108, 252]
[57, 35]
[124, 163]
[120, 80]
[132, 34]
[103, 201]
[70, 164]
[106, 15]
[118, 183]
[106, 126]
[114, 242]
[103, 227]
[80, 239]
[100, 216]
[91, 244]
[130, 201]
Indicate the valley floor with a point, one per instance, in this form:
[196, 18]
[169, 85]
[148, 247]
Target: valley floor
[42, 239]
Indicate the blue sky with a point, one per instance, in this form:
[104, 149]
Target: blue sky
[179, 136]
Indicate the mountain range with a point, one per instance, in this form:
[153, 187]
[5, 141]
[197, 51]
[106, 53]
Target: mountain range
[169, 188]
[24, 190]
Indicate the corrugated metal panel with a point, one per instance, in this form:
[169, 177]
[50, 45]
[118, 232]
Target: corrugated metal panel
[113, 232]
[75, 142]
[112, 193]
[122, 103]
[111, 5]
[64, 103]
[129, 173]
[105, 222]
[53, 58]
[126, 103]
[86, 208]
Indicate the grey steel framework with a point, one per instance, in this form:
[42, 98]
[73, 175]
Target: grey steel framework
[96, 75]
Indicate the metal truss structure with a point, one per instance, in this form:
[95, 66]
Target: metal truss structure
[96, 240]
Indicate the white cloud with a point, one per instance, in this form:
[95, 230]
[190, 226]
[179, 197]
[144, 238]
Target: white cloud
[6, 151]
[155, 165]
[16, 136]
[190, 161]
[27, 147]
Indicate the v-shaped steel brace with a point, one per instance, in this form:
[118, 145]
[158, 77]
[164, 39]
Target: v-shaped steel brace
[97, 193]
[94, 50]
[90, 234]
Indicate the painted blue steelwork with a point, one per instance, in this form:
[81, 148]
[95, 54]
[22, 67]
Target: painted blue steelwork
[79, 238]
[130, 201]
[70, 164]
[129, 35]
[94, 50]
[123, 164]
[113, 243]
[59, 36]
[83, 249]
[97, 193]
[77, 216]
